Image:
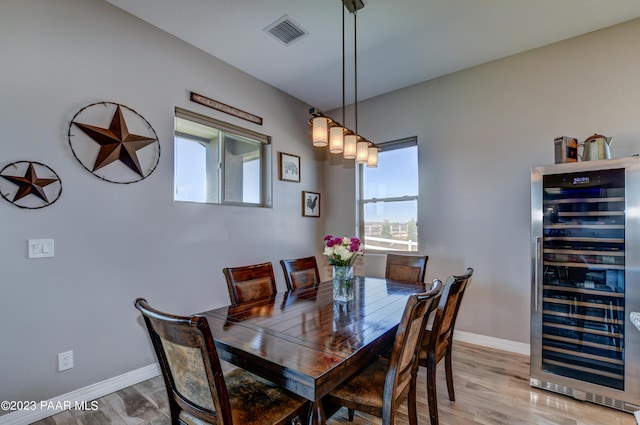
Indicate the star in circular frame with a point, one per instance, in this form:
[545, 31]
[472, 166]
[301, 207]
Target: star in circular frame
[32, 185]
[114, 142]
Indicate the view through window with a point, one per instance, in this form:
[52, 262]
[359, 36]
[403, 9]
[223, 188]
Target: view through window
[388, 209]
[218, 163]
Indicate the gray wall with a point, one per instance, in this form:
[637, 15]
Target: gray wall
[116, 242]
[479, 132]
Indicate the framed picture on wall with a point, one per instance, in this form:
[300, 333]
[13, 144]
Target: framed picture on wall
[310, 204]
[289, 167]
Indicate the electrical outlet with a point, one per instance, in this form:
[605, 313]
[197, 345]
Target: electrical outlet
[65, 360]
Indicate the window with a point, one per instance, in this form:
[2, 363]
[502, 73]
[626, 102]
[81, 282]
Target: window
[219, 163]
[388, 207]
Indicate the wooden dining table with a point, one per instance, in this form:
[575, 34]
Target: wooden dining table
[306, 342]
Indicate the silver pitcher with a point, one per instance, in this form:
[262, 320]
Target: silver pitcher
[596, 147]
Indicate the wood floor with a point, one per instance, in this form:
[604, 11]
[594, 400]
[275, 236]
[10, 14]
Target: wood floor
[492, 387]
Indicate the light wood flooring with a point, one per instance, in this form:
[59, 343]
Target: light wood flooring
[492, 387]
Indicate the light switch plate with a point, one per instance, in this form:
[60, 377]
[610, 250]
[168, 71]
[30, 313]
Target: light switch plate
[40, 248]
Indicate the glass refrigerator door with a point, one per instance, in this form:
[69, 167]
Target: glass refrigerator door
[583, 276]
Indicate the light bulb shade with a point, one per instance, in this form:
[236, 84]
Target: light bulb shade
[319, 131]
[350, 141]
[362, 152]
[336, 139]
[372, 159]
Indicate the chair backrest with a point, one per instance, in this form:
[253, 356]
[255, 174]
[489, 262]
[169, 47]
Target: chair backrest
[189, 363]
[406, 268]
[300, 272]
[403, 365]
[435, 288]
[248, 283]
[447, 311]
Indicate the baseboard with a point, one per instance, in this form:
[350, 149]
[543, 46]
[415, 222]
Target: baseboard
[491, 342]
[80, 397]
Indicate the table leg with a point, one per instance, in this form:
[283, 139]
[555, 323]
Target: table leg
[316, 416]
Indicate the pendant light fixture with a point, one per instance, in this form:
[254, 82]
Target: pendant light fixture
[350, 142]
[372, 158]
[320, 131]
[326, 131]
[336, 139]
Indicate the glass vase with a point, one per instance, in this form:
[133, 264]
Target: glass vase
[343, 283]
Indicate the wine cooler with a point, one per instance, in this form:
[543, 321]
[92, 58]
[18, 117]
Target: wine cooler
[585, 249]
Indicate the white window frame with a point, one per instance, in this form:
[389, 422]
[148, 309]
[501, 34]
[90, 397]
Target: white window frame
[361, 201]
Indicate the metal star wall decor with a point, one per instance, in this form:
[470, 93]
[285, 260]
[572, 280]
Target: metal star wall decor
[124, 151]
[32, 185]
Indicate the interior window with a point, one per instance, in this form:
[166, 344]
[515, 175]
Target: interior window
[388, 207]
[218, 163]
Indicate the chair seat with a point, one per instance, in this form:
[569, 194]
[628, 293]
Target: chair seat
[254, 401]
[365, 388]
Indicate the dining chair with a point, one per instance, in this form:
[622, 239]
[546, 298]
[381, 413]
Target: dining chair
[300, 272]
[437, 342]
[406, 268]
[248, 283]
[380, 387]
[198, 390]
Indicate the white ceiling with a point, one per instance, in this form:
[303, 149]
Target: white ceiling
[400, 42]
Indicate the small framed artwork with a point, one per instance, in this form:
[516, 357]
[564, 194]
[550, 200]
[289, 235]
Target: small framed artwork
[289, 167]
[310, 204]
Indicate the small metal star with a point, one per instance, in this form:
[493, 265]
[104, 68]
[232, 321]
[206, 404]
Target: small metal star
[30, 184]
[116, 143]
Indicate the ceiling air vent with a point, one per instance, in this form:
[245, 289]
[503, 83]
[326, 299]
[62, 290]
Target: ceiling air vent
[286, 30]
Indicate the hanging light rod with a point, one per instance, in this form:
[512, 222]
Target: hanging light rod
[329, 132]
